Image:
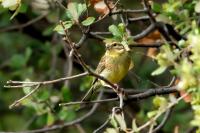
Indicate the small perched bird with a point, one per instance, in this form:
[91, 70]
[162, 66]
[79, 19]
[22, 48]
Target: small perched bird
[113, 66]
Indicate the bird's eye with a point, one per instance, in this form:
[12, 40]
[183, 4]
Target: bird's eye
[114, 44]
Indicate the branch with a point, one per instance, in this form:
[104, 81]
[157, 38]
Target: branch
[89, 102]
[95, 36]
[143, 95]
[12, 84]
[60, 126]
[102, 126]
[109, 8]
[16, 103]
[145, 32]
[120, 11]
[166, 117]
[142, 18]
[20, 26]
[150, 45]
[170, 105]
[149, 11]
[83, 38]
[153, 92]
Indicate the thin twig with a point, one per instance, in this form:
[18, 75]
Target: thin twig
[147, 7]
[69, 66]
[60, 126]
[142, 18]
[139, 96]
[100, 33]
[120, 11]
[143, 45]
[170, 105]
[89, 102]
[145, 32]
[17, 102]
[11, 84]
[60, 4]
[21, 26]
[164, 120]
[102, 126]
[107, 4]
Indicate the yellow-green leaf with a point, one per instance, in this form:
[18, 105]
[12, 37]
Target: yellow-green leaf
[88, 21]
[59, 28]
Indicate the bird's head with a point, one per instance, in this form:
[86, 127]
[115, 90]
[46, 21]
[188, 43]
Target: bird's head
[116, 48]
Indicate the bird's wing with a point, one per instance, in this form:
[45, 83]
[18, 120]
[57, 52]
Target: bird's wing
[95, 84]
[101, 65]
[100, 68]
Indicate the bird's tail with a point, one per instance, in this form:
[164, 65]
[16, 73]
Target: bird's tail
[90, 93]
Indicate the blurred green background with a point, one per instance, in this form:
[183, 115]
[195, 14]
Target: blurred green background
[36, 53]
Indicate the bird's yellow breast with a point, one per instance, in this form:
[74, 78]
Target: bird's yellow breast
[117, 66]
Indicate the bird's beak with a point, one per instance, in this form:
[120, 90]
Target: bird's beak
[126, 47]
[108, 47]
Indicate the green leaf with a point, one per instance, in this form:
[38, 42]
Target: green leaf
[86, 83]
[43, 95]
[156, 7]
[121, 27]
[27, 90]
[134, 125]
[81, 8]
[28, 53]
[72, 8]
[159, 70]
[66, 114]
[66, 93]
[88, 21]
[120, 120]
[23, 8]
[50, 119]
[111, 130]
[152, 113]
[115, 31]
[113, 122]
[197, 7]
[17, 61]
[69, 15]
[59, 28]
[48, 31]
[159, 101]
[75, 10]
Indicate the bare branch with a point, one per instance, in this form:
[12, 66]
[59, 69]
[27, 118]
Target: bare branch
[21, 26]
[145, 32]
[170, 105]
[120, 11]
[143, 95]
[16, 103]
[102, 126]
[15, 84]
[163, 122]
[60, 126]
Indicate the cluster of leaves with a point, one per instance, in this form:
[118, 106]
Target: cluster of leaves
[119, 35]
[73, 12]
[185, 61]
[178, 13]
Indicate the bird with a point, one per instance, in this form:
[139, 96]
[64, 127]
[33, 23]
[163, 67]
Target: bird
[113, 66]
